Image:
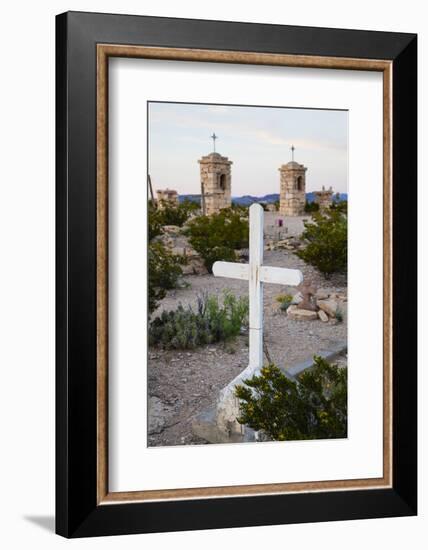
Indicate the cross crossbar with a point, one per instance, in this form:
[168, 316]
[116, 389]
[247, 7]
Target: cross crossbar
[267, 274]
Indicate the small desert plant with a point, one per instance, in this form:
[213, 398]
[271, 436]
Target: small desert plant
[339, 315]
[164, 272]
[284, 301]
[326, 237]
[216, 237]
[212, 322]
[314, 407]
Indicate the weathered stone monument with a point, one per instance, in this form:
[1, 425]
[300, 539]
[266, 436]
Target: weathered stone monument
[324, 198]
[216, 182]
[222, 425]
[292, 188]
[167, 197]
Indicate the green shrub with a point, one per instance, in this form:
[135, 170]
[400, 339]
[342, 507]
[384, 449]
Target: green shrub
[164, 272]
[212, 322]
[326, 237]
[284, 301]
[154, 222]
[241, 209]
[311, 207]
[315, 407]
[164, 266]
[341, 206]
[169, 215]
[216, 237]
[177, 215]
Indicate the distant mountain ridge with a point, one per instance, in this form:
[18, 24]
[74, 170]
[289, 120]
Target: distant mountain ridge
[247, 200]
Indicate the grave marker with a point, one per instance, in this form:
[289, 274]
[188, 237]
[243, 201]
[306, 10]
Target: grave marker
[257, 274]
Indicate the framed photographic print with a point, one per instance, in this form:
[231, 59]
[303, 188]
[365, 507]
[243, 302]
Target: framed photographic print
[236, 252]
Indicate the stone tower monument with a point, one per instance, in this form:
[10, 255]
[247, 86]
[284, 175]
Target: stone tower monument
[216, 182]
[167, 197]
[324, 198]
[292, 188]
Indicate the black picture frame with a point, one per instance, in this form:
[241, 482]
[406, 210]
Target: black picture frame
[77, 511]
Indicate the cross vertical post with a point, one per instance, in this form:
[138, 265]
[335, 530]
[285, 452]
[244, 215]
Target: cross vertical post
[214, 137]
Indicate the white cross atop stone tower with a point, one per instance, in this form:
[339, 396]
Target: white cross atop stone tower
[257, 274]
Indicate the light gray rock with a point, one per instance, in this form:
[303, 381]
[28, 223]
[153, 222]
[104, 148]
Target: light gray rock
[293, 312]
[322, 294]
[297, 298]
[171, 229]
[329, 306]
[194, 266]
[323, 316]
[157, 415]
[179, 250]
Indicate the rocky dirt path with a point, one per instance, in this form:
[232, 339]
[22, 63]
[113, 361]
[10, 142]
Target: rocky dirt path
[183, 383]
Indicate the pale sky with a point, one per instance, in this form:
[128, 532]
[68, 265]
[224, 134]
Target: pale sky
[256, 139]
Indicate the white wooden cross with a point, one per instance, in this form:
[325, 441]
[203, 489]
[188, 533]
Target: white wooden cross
[257, 274]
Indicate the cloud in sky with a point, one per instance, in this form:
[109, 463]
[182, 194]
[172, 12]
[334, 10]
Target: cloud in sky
[256, 139]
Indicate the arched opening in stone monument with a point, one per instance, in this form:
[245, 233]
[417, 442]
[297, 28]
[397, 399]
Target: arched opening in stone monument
[299, 183]
[222, 182]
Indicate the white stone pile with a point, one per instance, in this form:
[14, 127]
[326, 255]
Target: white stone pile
[329, 305]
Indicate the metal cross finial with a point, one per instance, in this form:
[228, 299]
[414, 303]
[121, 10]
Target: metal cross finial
[214, 137]
[292, 152]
